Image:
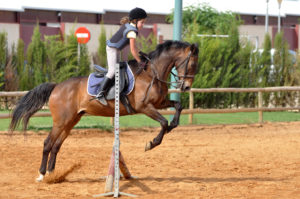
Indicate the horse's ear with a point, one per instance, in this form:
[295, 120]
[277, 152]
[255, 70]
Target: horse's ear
[194, 49]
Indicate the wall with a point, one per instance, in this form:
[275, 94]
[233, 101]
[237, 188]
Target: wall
[166, 30]
[254, 30]
[13, 33]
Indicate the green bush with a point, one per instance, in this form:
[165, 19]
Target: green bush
[147, 44]
[229, 62]
[102, 47]
[36, 59]
[55, 56]
[74, 66]
[3, 57]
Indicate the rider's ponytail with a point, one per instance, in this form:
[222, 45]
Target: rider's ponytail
[124, 20]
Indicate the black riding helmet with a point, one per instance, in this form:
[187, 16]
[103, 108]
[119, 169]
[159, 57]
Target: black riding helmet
[137, 13]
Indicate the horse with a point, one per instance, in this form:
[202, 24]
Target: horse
[68, 101]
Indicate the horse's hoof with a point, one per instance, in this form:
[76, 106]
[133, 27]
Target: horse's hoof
[148, 146]
[40, 178]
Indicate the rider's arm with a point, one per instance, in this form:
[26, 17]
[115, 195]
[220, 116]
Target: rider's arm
[134, 50]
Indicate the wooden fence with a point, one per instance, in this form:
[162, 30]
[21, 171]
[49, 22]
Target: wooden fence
[260, 109]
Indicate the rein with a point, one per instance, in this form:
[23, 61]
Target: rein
[178, 83]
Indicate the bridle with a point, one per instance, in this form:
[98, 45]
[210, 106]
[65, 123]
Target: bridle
[184, 64]
[177, 83]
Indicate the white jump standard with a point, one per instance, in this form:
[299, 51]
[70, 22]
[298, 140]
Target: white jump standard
[116, 159]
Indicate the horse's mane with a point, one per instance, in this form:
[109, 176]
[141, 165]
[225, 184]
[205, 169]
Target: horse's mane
[166, 46]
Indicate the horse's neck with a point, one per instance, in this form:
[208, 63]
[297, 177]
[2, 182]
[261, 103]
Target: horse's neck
[162, 68]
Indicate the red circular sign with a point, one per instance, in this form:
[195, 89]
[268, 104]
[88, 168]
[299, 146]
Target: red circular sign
[83, 35]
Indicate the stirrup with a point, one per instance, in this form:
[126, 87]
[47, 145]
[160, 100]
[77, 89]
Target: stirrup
[101, 99]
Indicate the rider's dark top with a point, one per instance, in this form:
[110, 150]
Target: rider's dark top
[119, 40]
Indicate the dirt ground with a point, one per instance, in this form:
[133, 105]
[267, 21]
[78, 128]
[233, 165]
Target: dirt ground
[223, 161]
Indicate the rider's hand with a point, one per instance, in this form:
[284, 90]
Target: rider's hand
[142, 64]
[143, 56]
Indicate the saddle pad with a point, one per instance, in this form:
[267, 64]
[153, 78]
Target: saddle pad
[94, 83]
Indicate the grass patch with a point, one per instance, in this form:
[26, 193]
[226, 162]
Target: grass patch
[138, 121]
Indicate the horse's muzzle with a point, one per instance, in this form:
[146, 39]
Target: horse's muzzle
[185, 88]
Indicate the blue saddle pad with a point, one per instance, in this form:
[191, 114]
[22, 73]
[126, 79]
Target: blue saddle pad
[94, 82]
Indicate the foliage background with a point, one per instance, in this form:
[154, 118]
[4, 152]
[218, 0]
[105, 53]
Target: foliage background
[223, 62]
[234, 62]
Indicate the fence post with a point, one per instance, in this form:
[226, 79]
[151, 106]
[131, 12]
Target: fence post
[112, 121]
[191, 106]
[260, 104]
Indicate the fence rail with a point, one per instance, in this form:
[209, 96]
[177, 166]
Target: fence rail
[260, 109]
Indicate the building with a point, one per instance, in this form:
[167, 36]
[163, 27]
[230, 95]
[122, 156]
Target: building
[19, 20]
[20, 24]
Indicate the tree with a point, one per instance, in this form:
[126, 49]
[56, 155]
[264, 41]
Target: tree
[147, 44]
[55, 51]
[74, 67]
[36, 57]
[1, 79]
[209, 20]
[3, 56]
[102, 47]
[222, 64]
[283, 69]
[84, 61]
[21, 67]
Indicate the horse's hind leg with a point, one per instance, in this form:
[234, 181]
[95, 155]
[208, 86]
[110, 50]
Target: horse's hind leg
[53, 142]
[48, 143]
[59, 141]
[55, 149]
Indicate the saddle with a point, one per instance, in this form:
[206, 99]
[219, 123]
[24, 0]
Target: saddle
[126, 84]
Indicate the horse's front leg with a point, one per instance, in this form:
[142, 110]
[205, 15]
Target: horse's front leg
[174, 123]
[178, 108]
[151, 112]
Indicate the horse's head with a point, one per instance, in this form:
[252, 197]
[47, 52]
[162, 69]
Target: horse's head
[186, 66]
[181, 55]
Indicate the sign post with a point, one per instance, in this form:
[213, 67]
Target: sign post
[83, 36]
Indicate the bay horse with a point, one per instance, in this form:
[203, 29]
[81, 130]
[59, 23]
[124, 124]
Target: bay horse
[68, 101]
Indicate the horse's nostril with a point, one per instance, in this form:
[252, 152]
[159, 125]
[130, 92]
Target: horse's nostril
[187, 88]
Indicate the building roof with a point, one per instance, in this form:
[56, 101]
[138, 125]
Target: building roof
[90, 6]
[251, 7]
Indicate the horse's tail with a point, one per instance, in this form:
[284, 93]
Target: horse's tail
[29, 104]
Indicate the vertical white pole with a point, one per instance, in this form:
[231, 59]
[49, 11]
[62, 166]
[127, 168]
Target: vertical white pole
[267, 18]
[260, 105]
[117, 155]
[78, 53]
[117, 140]
[279, 6]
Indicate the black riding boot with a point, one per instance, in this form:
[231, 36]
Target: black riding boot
[103, 90]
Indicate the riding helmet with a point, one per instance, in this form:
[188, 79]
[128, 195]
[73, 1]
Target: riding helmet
[137, 13]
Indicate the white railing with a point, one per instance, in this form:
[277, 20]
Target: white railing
[260, 109]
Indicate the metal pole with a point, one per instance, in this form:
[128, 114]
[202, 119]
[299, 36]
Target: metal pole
[191, 106]
[176, 36]
[116, 147]
[117, 140]
[267, 18]
[78, 54]
[260, 105]
[279, 6]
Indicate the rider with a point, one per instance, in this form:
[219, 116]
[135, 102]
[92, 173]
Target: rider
[125, 35]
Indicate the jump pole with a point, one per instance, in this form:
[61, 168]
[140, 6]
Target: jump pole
[117, 159]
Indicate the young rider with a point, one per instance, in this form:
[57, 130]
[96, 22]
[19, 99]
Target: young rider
[126, 35]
